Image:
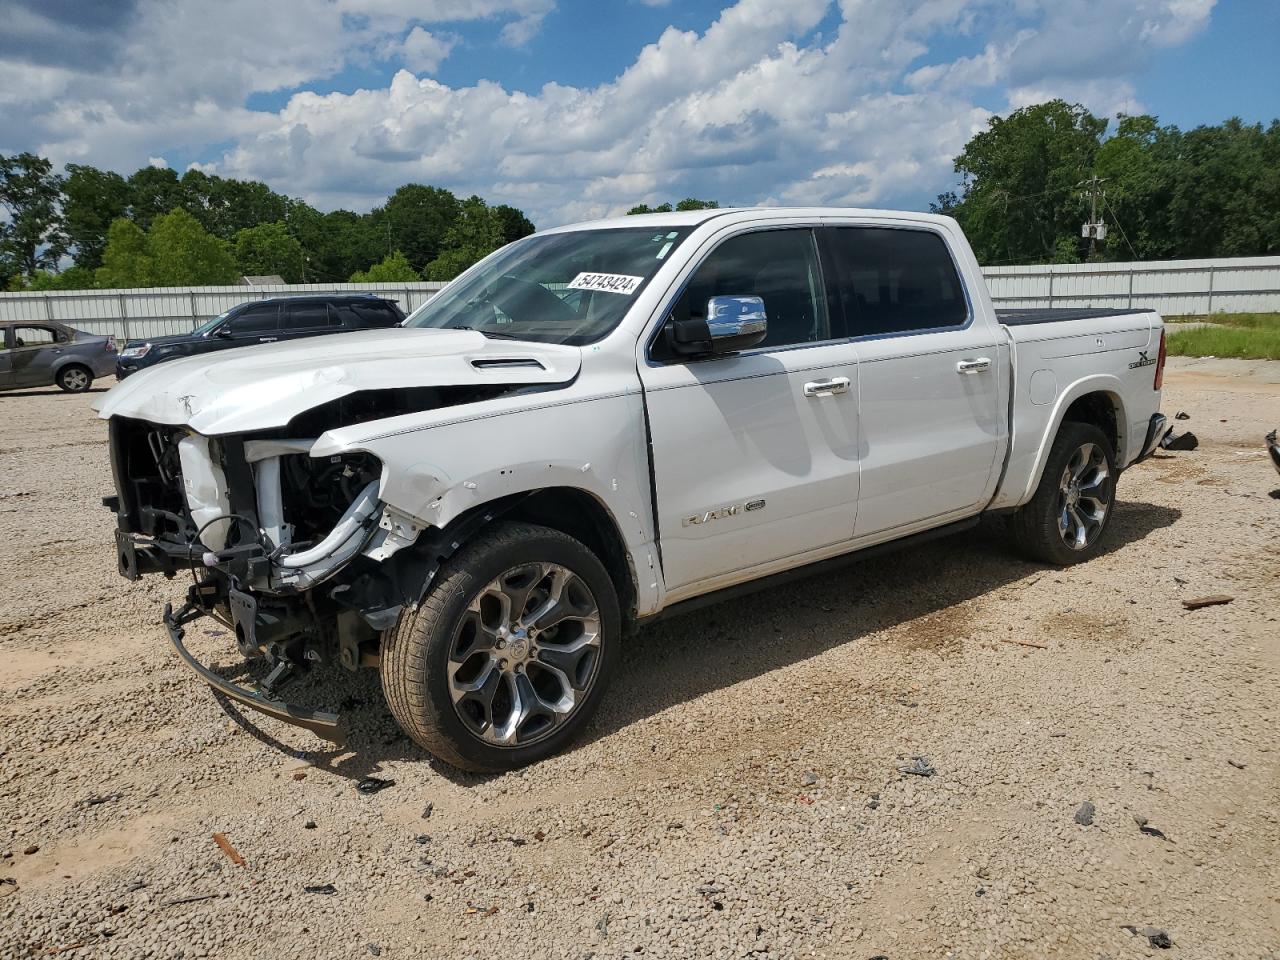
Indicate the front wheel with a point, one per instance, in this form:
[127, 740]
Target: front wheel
[74, 378]
[509, 653]
[1067, 519]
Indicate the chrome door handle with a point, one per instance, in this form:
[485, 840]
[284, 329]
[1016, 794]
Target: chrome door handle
[826, 388]
[973, 366]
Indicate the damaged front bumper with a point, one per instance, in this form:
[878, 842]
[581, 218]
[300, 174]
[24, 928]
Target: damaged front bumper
[262, 696]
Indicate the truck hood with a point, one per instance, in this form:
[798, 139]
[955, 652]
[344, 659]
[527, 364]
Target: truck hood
[261, 387]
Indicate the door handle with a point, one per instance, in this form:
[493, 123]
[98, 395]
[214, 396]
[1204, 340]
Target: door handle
[826, 388]
[973, 366]
[268, 339]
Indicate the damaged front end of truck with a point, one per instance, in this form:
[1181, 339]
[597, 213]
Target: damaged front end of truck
[281, 527]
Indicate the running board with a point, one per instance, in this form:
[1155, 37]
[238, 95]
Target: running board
[811, 569]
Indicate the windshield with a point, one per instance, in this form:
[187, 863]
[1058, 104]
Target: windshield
[210, 323]
[571, 288]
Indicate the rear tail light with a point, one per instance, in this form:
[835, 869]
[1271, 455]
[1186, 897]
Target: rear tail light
[1160, 363]
[110, 345]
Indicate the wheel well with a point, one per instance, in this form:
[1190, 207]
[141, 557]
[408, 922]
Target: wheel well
[584, 518]
[1099, 410]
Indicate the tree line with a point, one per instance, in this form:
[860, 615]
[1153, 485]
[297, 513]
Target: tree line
[1026, 188]
[87, 227]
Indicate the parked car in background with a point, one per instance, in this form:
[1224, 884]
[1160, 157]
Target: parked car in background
[41, 354]
[264, 321]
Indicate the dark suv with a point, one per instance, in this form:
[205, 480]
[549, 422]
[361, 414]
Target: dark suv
[264, 321]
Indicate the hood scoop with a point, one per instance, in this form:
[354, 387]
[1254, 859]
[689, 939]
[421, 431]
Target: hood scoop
[505, 363]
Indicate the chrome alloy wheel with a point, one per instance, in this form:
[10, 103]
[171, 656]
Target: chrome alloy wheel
[1082, 496]
[525, 654]
[75, 379]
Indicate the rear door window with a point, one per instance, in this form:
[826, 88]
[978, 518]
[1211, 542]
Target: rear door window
[895, 281]
[308, 316]
[34, 336]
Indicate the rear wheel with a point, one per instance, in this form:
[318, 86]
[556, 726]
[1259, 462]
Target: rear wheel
[1067, 519]
[506, 658]
[74, 378]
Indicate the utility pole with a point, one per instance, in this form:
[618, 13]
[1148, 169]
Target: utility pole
[1095, 229]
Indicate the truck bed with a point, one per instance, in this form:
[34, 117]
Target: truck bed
[1023, 316]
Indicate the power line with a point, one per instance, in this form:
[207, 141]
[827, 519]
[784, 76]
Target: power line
[1116, 218]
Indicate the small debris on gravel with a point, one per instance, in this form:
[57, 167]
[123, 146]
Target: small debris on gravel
[8, 885]
[1155, 936]
[1084, 816]
[327, 889]
[428, 810]
[225, 846]
[95, 800]
[1182, 415]
[1237, 764]
[374, 784]
[309, 825]
[1153, 832]
[1179, 441]
[422, 838]
[809, 778]
[374, 949]
[1214, 600]
[920, 767]
[34, 848]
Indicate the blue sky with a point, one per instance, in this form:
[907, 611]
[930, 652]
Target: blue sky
[573, 109]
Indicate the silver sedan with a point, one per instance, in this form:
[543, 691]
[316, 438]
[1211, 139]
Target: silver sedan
[38, 354]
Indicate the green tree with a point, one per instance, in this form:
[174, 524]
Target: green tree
[91, 200]
[184, 254]
[225, 207]
[153, 192]
[73, 278]
[335, 244]
[474, 235]
[31, 236]
[688, 203]
[126, 258]
[512, 223]
[267, 249]
[394, 268]
[1021, 191]
[415, 219]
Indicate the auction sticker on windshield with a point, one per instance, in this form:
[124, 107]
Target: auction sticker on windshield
[606, 282]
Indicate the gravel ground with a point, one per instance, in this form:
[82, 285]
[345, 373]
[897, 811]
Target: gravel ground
[741, 793]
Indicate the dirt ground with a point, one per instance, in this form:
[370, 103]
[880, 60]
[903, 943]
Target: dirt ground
[740, 794]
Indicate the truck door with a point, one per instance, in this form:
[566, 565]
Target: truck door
[929, 378]
[755, 455]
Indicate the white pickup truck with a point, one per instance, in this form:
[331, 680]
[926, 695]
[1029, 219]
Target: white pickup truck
[606, 422]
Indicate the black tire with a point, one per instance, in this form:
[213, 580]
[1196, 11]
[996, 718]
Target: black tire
[1038, 527]
[416, 653]
[74, 378]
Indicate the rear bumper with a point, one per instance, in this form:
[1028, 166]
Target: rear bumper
[320, 722]
[1156, 429]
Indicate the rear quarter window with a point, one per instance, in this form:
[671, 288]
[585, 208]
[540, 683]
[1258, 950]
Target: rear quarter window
[896, 281]
[365, 315]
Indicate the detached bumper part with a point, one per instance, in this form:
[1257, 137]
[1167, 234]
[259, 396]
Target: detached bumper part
[1273, 448]
[321, 723]
[1157, 428]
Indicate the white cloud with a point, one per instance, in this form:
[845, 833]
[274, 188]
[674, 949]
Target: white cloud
[157, 162]
[421, 51]
[757, 108]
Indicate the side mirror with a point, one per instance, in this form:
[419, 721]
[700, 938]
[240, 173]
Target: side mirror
[731, 324]
[223, 331]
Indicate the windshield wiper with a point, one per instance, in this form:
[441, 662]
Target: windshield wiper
[493, 334]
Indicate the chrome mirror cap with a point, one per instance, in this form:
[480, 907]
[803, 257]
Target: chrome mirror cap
[736, 323]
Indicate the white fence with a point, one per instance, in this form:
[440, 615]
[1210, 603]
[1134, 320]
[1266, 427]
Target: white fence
[153, 312]
[1174, 287]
